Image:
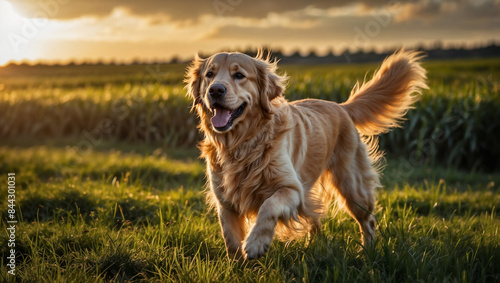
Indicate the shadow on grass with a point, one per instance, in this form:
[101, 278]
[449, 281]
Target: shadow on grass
[120, 264]
[40, 209]
[75, 204]
[449, 208]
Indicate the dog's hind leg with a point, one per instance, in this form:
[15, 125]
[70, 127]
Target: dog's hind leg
[354, 180]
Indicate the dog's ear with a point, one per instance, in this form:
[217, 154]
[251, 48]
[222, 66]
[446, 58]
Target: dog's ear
[271, 85]
[193, 79]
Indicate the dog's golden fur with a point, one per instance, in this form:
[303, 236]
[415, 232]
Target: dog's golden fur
[277, 167]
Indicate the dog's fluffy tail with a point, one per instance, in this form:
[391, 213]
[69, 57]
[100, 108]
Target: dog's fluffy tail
[380, 104]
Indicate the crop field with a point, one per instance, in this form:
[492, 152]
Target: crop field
[109, 187]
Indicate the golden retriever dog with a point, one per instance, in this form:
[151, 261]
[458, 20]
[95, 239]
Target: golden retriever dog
[274, 166]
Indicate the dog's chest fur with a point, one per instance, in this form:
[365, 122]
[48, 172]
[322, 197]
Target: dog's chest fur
[247, 177]
[248, 174]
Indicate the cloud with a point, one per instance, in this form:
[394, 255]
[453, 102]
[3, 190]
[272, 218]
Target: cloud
[221, 15]
[177, 10]
[359, 26]
[469, 10]
[153, 27]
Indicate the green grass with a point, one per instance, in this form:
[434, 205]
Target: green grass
[136, 212]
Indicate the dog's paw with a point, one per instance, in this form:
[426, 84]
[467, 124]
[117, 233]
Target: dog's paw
[256, 247]
[236, 254]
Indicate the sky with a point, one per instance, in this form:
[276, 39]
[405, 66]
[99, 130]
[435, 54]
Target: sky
[59, 31]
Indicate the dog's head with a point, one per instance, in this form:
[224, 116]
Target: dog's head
[229, 88]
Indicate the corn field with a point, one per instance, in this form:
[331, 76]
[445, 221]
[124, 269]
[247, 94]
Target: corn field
[456, 122]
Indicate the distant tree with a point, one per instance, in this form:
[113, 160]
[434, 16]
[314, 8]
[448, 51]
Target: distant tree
[437, 45]
[174, 60]
[312, 53]
[295, 54]
[330, 53]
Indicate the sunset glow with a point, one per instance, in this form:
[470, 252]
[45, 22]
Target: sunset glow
[10, 22]
[62, 30]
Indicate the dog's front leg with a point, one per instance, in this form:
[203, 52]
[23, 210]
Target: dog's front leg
[281, 205]
[233, 229]
[231, 222]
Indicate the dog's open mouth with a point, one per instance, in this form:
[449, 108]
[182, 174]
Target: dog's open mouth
[223, 118]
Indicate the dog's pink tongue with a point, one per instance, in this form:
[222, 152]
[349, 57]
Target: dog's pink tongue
[221, 117]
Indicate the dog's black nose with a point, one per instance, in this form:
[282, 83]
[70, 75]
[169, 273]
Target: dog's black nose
[217, 90]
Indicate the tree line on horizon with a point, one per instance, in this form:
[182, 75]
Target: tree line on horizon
[436, 52]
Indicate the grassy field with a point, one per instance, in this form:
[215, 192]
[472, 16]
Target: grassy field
[128, 212]
[109, 186]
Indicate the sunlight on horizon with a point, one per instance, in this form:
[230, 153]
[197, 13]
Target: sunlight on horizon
[10, 23]
[72, 31]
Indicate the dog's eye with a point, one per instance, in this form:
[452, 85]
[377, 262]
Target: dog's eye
[239, 76]
[209, 74]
